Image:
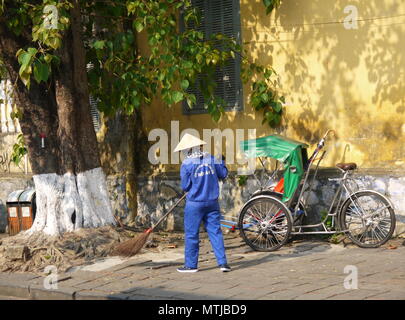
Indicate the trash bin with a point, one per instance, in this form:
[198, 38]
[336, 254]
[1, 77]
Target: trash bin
[27, 208]
[13, 212]
[21, 208]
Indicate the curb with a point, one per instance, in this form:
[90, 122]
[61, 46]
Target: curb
[25, 290]
[17, 289]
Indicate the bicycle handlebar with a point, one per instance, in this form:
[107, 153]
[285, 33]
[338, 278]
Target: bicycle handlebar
[321, 144]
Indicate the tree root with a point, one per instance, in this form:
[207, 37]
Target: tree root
[72, 249]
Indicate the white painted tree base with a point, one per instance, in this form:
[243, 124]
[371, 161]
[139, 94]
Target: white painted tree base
[58, 197]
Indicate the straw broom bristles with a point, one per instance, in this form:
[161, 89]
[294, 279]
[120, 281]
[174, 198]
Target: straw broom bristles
[133, 246]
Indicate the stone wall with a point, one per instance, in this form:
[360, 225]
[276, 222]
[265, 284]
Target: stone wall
[116, 185]
[390, 184]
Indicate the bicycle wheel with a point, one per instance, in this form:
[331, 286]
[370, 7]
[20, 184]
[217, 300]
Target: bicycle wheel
[368, 218]
[265, 223]
[298, 218]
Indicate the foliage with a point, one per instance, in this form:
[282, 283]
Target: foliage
[121, 76]
[19, 150]
[38, 60]
[242, 180]
[328, 222]
[264, 97]
[337, 238]
[271, 5]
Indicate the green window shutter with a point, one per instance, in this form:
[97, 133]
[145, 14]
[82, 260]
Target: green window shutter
[220, 16]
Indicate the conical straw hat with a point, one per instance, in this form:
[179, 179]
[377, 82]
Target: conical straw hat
[188, 141]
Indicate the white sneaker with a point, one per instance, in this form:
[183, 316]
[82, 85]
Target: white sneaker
[225, 268]
[187, 269]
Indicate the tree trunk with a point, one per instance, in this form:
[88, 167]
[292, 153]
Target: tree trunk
[70, 185]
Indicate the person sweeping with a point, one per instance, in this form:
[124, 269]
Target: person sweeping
[200, 174]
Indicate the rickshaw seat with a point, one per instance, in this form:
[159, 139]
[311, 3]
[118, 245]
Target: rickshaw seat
[347, 166]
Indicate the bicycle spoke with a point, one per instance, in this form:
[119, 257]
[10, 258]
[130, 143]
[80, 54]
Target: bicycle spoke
[372, 212]
[269, 227]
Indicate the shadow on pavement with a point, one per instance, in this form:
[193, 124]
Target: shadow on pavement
[298, 250]
[158, 293]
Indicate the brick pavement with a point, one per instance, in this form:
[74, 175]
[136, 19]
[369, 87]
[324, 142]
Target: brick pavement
[302, 270]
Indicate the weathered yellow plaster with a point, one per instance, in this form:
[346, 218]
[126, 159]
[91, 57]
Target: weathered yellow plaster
[349, 80]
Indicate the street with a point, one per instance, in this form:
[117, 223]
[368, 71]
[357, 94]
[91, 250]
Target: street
[302, 270]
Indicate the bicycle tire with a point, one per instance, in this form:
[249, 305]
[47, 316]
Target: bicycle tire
[298, 220]
[266, 230]
[356, 210]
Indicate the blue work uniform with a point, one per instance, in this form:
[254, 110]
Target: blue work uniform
[199, 178]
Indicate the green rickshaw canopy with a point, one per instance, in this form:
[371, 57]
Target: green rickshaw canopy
[282, 149]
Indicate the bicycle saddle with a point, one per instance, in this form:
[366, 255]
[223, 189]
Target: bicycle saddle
[347, 166]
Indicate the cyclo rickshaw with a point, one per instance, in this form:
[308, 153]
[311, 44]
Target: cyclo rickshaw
[276, 212]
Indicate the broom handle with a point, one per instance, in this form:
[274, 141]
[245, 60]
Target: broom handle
[168, 212]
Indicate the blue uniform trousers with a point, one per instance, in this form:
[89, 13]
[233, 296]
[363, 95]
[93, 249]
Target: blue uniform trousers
[194, 214]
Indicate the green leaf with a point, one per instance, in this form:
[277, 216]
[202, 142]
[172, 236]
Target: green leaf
[269, 115]
[24, 59]
[215, 114]
[177, 96]
[25, 78]
[138, 25]
[256, 102]
[264, 97]
[19, 52]
[32, 51]
[100, 44]
[187, 64]
[184, 84]
[277, 106]
[54, 42]
[48, 58]
[41, 71]
[191, 100]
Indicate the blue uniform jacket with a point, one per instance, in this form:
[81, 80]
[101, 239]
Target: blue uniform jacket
[199, 177]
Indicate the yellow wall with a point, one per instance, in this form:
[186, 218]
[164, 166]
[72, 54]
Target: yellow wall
[352, 81]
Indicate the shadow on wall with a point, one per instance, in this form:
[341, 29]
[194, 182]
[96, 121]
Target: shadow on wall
[122, 143]
[335, 77]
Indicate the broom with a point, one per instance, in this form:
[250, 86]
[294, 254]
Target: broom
[133, 246]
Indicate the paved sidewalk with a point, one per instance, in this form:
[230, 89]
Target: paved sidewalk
[302, 270]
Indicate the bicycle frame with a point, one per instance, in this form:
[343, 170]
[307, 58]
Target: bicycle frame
[334, 207]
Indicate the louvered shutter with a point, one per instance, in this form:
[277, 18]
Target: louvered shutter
[220, 16]
[202, 6]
